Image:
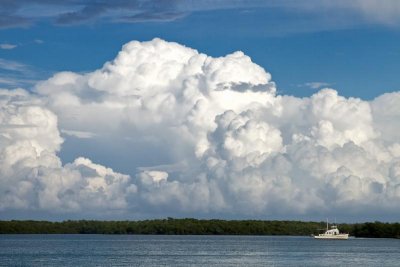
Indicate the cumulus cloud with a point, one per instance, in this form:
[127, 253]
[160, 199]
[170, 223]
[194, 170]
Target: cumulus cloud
[32, 176]
[202, 136]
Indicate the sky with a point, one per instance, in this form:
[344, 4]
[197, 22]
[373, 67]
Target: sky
[207, 109]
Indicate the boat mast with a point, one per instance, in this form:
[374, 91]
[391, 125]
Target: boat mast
[327, 228]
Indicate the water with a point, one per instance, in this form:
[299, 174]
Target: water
[139, 250]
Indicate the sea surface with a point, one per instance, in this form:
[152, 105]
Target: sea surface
[156, 250]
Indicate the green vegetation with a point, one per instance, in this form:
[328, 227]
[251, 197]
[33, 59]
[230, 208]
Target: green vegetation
[172, 226]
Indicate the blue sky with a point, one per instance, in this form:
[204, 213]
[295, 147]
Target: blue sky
[144, 109]
[301, 49]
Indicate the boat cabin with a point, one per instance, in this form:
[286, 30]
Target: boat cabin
[332, 231]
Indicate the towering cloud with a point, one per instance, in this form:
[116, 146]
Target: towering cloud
[200, 135]
[32, 176]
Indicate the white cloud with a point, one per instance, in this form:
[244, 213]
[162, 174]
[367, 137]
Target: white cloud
[78, 134]
[360, 11]
[32, 176]
[315, 85]
[11, 65]
[16, 74]
[385, 12]
[6, 46]
[213, 135]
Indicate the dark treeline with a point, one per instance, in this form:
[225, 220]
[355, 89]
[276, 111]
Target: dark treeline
[172, 226]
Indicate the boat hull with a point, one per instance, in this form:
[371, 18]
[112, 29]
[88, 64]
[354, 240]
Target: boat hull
[340, 236]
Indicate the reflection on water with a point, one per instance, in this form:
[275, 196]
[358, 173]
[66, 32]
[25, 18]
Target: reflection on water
[139, 250]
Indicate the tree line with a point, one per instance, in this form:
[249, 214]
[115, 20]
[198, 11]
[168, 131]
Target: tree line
[189, 226]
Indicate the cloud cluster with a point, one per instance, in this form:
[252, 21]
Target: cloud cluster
[32, 176]
[201, 136]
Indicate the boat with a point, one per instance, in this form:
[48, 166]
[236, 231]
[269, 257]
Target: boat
[332, 233]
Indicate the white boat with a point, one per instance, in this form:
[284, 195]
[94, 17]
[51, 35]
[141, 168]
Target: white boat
[332, 233]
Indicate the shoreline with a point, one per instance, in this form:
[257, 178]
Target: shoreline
[190, 226]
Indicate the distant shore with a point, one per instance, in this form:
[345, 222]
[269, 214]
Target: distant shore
[189, 226]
